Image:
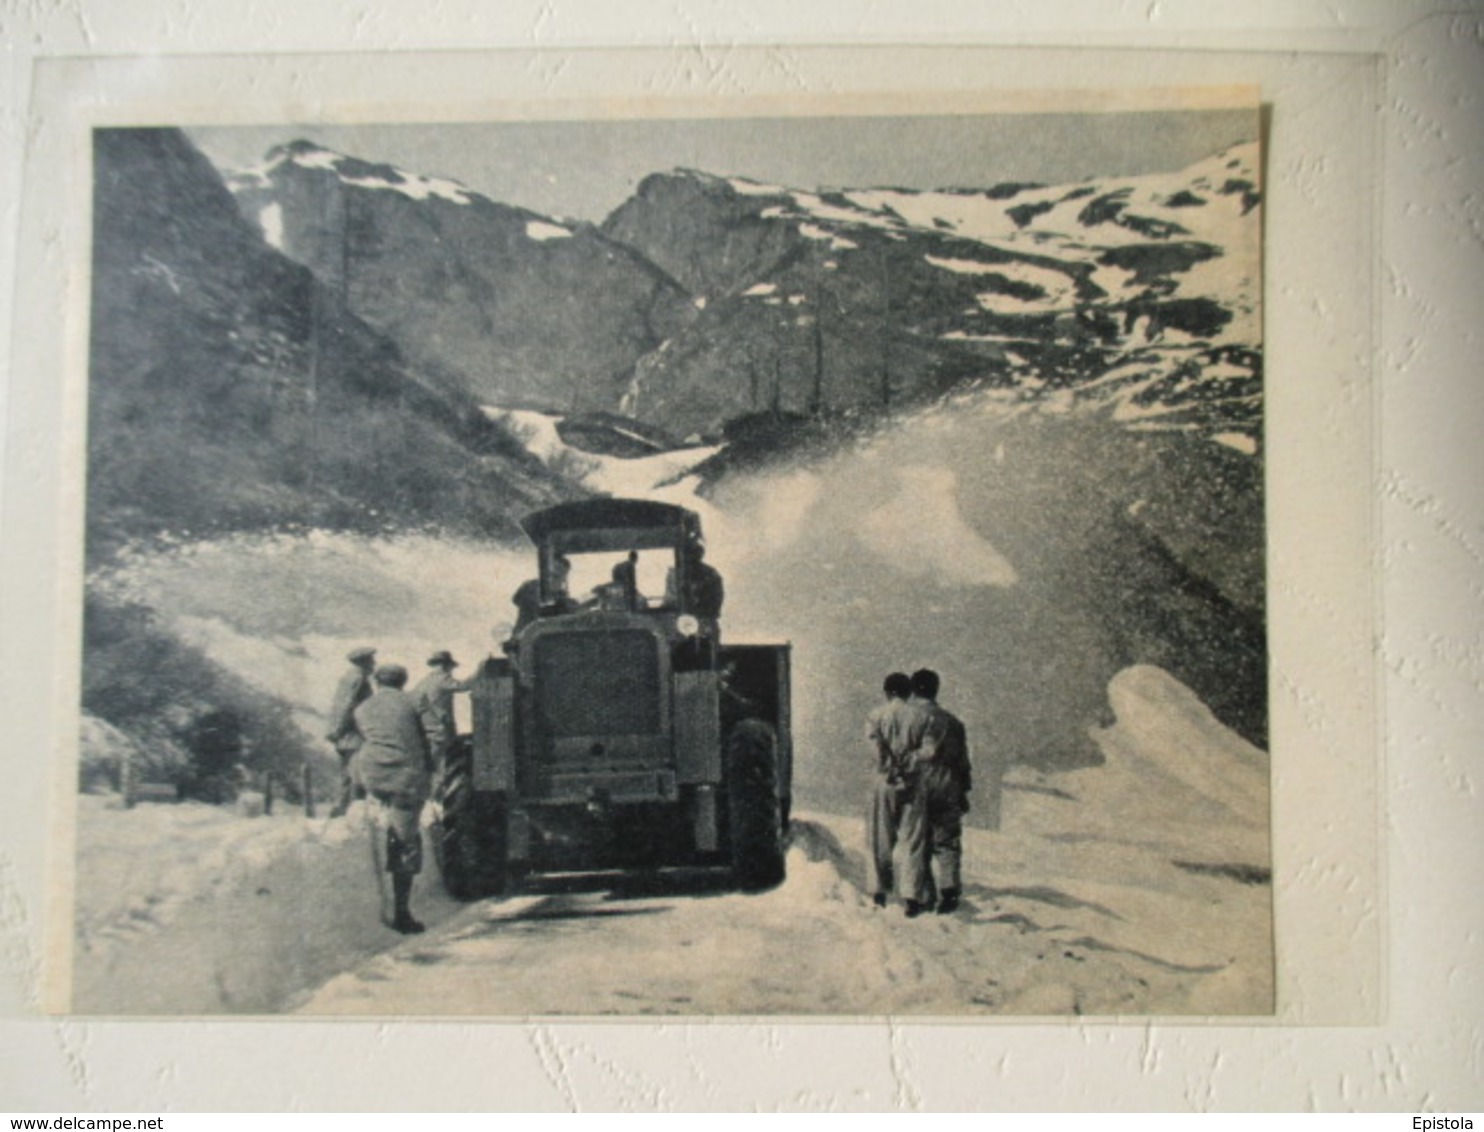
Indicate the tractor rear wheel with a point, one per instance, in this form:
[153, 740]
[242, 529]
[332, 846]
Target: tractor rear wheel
[469, 833]
[754, 808]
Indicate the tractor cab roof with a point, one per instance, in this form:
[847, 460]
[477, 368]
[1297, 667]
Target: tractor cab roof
[598, 525]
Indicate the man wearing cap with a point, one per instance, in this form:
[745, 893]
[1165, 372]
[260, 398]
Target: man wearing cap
[394, 765]
[354, 687]
[434, 695]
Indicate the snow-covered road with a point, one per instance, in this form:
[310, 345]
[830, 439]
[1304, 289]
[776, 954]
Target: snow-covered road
[1031, 938]
[1139, 887]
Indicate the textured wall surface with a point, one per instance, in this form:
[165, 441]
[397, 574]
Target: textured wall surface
[1412, 945]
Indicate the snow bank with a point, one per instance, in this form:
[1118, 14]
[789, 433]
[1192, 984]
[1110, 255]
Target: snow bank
[243, 913]
[282, 611]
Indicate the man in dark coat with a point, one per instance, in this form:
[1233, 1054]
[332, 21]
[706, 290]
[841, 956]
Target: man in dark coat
[394, 766]
[932, 825]
[354, 687]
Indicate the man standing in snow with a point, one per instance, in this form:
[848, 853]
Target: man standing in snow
[434, 695]
[353, 689]
[932, 825]
[394, 766]
[893, 729]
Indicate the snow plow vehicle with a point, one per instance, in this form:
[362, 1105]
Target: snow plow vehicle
[618, 731]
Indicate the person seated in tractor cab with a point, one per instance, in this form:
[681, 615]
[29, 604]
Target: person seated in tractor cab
[528, 598]
[626, 581]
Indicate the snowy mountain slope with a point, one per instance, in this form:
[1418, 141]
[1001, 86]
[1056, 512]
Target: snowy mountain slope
[706, 298]
[230, 389]
[1181, 235]
[1140, 295]
[497, 301]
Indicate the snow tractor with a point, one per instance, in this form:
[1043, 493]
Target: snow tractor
[618, 731]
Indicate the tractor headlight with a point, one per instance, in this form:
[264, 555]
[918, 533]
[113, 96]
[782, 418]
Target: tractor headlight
[687, 625]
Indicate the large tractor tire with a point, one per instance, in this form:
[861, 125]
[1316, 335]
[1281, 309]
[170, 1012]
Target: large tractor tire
[754, 809]
[469, 832]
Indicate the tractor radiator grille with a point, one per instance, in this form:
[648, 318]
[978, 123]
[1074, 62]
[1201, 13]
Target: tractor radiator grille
[599, 683]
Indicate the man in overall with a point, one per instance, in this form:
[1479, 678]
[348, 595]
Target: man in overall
[932, 825]
[893, 729]
[394, 766]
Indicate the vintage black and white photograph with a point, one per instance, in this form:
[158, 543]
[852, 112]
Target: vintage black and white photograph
[792, 565]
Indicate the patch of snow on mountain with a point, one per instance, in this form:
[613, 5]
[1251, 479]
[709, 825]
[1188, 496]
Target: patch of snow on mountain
[270, 220]
[964, 336]
[837, 243]
[316, 158]
[1240, 441]
[1056, 290]
[815, 206]
[414, 186]
[537, 431]
[1223, 371]
[963, 266]
[612, 475]
[645, 475]
[755, 188]
[1129, 410]
[926, 209]
[540, 230]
